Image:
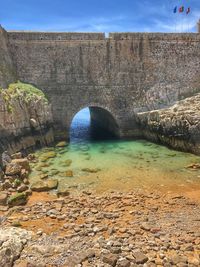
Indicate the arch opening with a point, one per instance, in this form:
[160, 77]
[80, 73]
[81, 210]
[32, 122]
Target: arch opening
[93, 123]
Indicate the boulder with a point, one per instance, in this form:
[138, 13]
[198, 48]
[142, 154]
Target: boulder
[24, 163]
[13, 169]
[140, 257]
[22, 188]
[6, 185]
[17, 199]
[3, 198]
[48, 155]
[47, 185]
[62, 191]
[110, 259]
[62, 144]
[24, 174]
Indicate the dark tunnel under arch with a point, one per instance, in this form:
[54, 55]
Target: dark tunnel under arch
[103, 125]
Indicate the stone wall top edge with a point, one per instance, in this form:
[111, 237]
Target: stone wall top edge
[152, 35]
[31, 35]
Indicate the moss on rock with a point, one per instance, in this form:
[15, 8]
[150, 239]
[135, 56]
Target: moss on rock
[18, 90]
[17, 199]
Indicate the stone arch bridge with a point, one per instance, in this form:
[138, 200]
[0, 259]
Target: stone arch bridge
[117, 77]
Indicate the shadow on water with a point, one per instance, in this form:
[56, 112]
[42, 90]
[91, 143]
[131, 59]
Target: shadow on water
[83, 131]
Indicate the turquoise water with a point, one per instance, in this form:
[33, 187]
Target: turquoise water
[114, 164]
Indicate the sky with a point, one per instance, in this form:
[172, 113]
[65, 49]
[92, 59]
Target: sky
[99, 15]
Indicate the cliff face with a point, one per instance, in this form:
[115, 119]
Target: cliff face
[7, 68]
[177, 126]
[25, 118]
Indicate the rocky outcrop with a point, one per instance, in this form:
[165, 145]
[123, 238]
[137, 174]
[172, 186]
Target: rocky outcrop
[177, 126]
[12, 242]
[25, 118]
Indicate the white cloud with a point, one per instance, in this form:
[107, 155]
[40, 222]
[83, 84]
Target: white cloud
[180, 23]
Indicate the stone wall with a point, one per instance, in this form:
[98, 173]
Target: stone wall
[125, 74]
[55, 36]
[7, 69]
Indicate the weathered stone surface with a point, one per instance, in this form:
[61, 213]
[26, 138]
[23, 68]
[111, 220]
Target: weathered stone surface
[48, 155]
[62, 191]
[13, 169]
[44, 185]
[140, 257]
[7, 69]
[24, 163]
[17, 199]
[16, 130]
[22, 188]
[12, 241]
[3, 198]
[110, 259]
[177, 126]
[62, 144]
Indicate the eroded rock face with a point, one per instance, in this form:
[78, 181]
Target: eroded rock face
[177, 126]
[12, 242]
[18, 111]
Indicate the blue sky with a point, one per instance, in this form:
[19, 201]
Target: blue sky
[98, 15]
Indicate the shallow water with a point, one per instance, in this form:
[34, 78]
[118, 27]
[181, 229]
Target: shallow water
[118, 165]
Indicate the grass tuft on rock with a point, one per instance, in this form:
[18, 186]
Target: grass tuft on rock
[21, 90]
[29, 90]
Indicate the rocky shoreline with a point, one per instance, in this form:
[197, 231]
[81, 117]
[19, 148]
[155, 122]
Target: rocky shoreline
[114, 229]
[177, 127]
[74, 229]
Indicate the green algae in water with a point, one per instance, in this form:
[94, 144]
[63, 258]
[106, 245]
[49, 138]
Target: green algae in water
[123, 165]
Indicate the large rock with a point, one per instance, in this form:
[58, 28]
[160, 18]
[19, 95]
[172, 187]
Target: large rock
[177, 126]
[13, 169]
[24, 163]
[47, 185]
[12, 241]
[3, 198]
[62, 191]
[110, 259]
[140, 257]
[17, 199]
